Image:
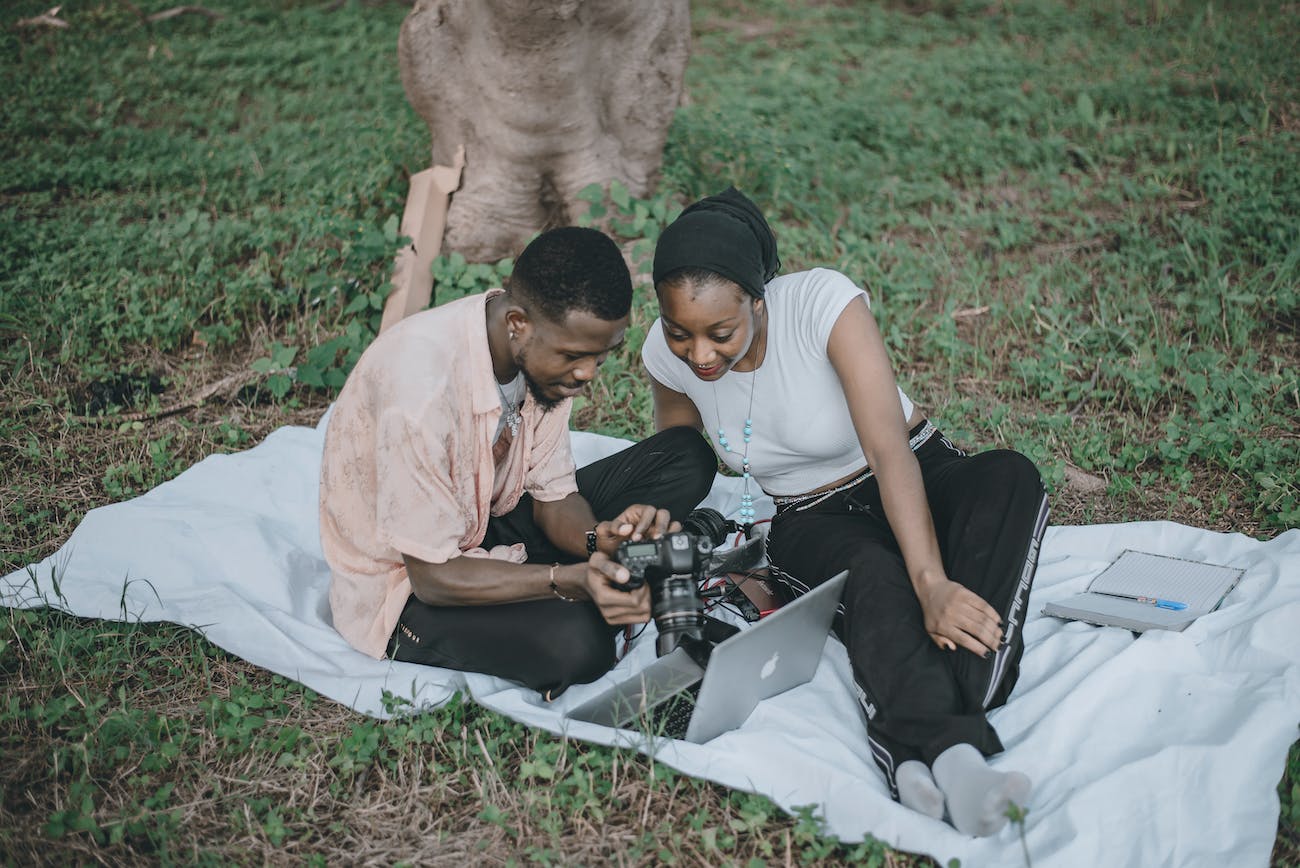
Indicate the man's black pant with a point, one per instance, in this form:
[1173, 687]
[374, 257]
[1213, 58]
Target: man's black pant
[990, 513]
[549, 644]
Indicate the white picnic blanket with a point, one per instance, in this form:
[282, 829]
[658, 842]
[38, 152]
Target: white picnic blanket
[1163, 749]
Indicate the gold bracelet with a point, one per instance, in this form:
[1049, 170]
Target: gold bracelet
[555, 589]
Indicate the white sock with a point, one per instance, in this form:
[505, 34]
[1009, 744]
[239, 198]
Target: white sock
[917, 789]
[977, 795]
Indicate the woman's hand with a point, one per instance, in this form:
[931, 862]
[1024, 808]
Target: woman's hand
[639, 521]
[956, 615]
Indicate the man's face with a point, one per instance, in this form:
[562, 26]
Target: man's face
[559, 359]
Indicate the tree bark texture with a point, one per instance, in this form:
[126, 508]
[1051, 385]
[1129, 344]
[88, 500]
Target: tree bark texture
[547, 98]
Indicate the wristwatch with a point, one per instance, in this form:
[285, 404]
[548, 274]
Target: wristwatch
[591, 541]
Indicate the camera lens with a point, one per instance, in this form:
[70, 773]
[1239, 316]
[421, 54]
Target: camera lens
[677, 610]
[707, 523]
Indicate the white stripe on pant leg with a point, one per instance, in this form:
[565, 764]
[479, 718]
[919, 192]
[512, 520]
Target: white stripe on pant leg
[1003, 656]
[886, 761]
[799, 588]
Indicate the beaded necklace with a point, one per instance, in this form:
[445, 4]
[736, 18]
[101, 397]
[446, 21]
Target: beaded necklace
[746, 498]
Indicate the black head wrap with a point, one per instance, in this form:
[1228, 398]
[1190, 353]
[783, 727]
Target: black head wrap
[725, 234]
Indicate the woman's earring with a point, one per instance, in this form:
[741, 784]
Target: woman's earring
[512, 334]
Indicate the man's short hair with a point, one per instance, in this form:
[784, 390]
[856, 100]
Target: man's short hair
[572, 269]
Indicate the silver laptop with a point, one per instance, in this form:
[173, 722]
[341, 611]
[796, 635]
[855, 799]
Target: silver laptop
[674, 697]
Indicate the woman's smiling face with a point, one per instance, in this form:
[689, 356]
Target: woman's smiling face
[711, 325]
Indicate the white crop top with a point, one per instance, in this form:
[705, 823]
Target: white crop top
[803, 437]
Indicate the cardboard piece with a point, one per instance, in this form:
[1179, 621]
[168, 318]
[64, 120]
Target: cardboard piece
[423, 220]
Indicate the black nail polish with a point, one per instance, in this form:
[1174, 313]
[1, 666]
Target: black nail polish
[986, 654]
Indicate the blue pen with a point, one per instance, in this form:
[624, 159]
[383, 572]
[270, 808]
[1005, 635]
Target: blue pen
[1174, 605]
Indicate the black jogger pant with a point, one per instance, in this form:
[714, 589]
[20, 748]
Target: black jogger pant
[990, 513]
[549, 644]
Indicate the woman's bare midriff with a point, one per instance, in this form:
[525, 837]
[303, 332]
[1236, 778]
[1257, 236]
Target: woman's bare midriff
[917, 419]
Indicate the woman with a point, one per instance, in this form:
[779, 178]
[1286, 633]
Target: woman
[790, 378]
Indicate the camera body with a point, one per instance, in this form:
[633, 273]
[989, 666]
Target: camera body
[673, 566]
[675, 554]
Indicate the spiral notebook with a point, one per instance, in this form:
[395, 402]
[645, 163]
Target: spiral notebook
[1141, 591]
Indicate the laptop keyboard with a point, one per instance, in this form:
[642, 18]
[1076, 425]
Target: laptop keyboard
[672, 717]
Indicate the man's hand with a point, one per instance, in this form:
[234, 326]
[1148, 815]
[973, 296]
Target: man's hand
[603, 579]
[956, 615]
[639, 521]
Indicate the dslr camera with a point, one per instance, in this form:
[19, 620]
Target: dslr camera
[674, 565]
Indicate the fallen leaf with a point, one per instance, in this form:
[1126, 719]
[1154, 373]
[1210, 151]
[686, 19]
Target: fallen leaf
[1081, 480]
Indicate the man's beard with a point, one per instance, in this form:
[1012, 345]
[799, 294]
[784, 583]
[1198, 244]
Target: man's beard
[535, 388]
[543, 400]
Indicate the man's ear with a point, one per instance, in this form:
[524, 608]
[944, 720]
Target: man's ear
[518, 325]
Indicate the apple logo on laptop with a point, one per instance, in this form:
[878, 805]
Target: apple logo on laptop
[770, 666]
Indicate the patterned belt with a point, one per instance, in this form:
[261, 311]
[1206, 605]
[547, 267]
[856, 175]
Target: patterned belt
[806, 501]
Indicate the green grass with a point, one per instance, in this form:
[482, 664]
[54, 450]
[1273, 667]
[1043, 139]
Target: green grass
[1078, 222]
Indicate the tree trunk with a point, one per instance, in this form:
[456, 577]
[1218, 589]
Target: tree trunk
[547, 98]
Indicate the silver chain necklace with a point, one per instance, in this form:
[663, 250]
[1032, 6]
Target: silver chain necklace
[513, 418]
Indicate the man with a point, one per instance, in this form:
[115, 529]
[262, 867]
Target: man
[456, 530]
